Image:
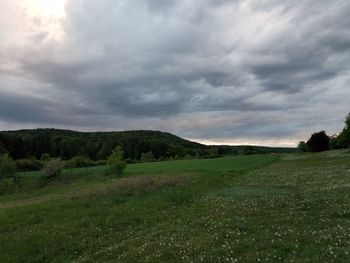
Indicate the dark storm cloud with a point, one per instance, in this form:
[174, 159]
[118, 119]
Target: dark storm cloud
[163, 62]
[21, 109]
[17, 108]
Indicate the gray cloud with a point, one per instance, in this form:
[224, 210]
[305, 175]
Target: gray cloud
[183, 66]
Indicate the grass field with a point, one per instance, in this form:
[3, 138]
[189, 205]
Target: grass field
[261, 208]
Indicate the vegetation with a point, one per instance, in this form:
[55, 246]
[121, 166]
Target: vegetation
[302, 146]
[79, 161]
[45, 157]
[147, 157]
[95, 146]
[343, 140]
[7, 167]
[116, 163]
[46, 143]
[28, 164]
[334, 143]
[318, 142]
[52, 169]
[256, 208]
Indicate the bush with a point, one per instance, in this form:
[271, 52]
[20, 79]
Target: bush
[147, 157]
[45, 157]
[116, 161]
[188, 157]
[79, 161]
[100, 162]
[7, 166]
[28, 165]
[52, 169]
[302, 146]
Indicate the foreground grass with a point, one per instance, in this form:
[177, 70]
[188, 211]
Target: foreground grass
[233, 209]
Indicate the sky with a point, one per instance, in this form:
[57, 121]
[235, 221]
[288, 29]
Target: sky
[262, 72]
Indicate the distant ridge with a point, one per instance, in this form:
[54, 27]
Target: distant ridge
[66, 144]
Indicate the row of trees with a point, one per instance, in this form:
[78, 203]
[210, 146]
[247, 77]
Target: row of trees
[52, 168]
[320, 141]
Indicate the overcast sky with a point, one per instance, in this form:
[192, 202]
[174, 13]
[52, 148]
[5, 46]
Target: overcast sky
[265, 72]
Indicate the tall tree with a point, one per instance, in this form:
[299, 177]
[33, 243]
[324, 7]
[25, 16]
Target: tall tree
[318, 142]
[344, 137]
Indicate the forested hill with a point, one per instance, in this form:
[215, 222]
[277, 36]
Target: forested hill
[95, 145]
[98, 145]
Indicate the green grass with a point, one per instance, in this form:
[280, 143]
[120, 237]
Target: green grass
[205, 165]
[268, 208]
[225, 164]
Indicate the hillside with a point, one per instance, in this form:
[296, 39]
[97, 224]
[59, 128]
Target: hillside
[98, 145]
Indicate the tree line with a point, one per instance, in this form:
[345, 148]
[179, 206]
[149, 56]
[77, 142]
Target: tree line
[38, 144]
[67, 144]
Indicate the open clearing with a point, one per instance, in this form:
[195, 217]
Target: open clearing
[261, 208]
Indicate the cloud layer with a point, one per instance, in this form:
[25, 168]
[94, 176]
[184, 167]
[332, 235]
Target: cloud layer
[220, 71]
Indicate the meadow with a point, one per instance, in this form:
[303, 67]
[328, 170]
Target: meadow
[258, 208]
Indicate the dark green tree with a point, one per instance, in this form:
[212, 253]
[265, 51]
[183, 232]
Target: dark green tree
[343, 139]
[318, 142]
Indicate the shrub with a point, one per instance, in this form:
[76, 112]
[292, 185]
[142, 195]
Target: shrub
[45, 157]
[7, 166]
[116, 161]
[302, 146]
[188, 157]
[79, 161]
[52, 169]
[147, 157]
[100, 162]
[28, 165]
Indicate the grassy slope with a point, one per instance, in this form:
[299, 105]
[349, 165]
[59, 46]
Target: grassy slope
[228, 209]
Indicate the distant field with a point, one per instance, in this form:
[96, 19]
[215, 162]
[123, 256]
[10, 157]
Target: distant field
[238, 163]
[260, 208]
